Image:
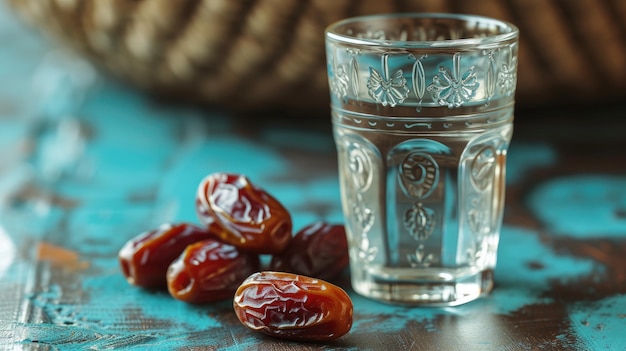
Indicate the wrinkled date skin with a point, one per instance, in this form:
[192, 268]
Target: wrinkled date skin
[318, 250]
[209, 270]
[145, 259]
[292, 306]
[250, 218]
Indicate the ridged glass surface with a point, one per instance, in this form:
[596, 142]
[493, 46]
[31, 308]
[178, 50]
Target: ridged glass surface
[422, 110]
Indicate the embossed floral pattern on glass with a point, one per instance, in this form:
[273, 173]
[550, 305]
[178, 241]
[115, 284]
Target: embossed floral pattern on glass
[387, 89]
[422, 109]
[428, 79]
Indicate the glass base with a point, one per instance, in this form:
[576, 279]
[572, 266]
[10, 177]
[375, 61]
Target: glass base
[423, 287]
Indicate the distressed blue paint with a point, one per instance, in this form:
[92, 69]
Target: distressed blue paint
[137, 165]
[519, 247]
[299, 140]
[30, 220]
[517, 285]
[582, 205]
[12, 133]
[171, 315]
[594, 321]
[219, 153]
[322, 190]
[523, 157]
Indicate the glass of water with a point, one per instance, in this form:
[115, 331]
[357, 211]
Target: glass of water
[422, 110]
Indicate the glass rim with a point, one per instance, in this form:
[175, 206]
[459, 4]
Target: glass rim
[510, 31]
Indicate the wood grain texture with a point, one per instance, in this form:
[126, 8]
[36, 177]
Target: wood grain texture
[270, 54]
[122, 164]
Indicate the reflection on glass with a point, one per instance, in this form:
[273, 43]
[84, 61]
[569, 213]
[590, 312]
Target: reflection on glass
[7, 252]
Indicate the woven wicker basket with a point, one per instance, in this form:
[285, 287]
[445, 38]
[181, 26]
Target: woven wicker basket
[257, 54]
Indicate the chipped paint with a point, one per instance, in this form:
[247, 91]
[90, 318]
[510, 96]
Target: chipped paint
[60, 256]
[133, 164]
[581, 204]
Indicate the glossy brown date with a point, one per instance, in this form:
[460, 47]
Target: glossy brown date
[318, 250]
[144, 259]
[209, 270]
[292, 306]
[250, 218]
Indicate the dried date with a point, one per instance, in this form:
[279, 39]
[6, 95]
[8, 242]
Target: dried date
[209, 270]
[318, 250]
[292, 306]
[145, 259]
[249, 217]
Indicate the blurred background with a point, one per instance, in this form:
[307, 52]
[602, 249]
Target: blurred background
[111, 111]
[268, 55]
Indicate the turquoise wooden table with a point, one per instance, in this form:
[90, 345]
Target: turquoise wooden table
[86, 164]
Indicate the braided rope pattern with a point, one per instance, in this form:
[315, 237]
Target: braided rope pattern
[270, 53]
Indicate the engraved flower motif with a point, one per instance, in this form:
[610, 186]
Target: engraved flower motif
[360, 167]
[477, 217]
[454, 88]
[419, 221]
[420, 258]
[507, 76]
[365, 252]
[363, 216]
[475, 254]
[339, 83]
[482, 167]
[385, 89]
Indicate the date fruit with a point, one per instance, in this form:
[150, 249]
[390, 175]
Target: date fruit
[145, 259]
[209, 270]
[318, 250]
[294, 307]
[249, 217]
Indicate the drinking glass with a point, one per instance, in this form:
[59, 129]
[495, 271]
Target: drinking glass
[422, 111]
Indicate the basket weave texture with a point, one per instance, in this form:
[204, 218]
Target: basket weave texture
[259, 54]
